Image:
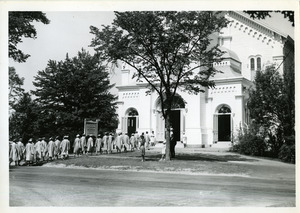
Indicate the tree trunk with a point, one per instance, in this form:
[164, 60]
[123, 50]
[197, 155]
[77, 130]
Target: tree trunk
[168, 138]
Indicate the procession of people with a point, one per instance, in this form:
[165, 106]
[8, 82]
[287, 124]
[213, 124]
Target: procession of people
[42, 151]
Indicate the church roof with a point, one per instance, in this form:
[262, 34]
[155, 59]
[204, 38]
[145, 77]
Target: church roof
[243, 16]
[229, 54]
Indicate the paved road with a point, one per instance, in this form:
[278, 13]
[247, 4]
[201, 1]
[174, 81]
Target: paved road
[46, 186]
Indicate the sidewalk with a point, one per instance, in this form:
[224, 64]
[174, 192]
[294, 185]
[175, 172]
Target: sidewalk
[193, 161]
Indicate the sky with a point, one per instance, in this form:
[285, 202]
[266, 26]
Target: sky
[69, 32]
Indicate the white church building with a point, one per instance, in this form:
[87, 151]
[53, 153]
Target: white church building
[216, 115]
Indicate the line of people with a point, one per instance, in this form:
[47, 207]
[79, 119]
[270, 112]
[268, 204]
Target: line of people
[39, 151]
[42, 151]
[108, 142]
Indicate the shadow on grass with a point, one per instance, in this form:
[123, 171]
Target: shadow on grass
[202, 157]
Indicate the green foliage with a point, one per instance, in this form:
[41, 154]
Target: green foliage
[269, 108]
[22, 121]
[263, 14]
[266, 99]
[271, 131]
[71, 90]
[287, 150]
[15, 87]
[20, 25]
[250, 142]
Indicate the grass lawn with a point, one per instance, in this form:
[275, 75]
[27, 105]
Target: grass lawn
[186, 161]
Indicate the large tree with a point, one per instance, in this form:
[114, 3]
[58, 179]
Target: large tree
[21, 26]
[74, 89]
[268, 107]
[15, 90]
[22, 121]
[169, 50]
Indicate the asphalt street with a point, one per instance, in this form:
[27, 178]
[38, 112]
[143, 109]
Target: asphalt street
[46, 186]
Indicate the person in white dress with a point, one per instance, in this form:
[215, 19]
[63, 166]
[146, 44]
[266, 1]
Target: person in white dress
[90, 145]
[126, 142]
[152, 138]
[76, 145]
[29, 152]
[65, 146]
[83, 144]
[21, 148]
[14, 153]
[98, 145]
[57, 147]
[51, 149]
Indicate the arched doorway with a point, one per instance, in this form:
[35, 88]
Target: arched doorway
[130, 121]
[223, 124]
[177, 119]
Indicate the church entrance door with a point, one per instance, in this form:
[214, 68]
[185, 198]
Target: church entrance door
[224, 128]
[175, 123]
[131, 127]
[222, 124]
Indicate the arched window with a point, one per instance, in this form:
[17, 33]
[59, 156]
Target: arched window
[258, 64]
[178, 102]
[255, 63]
[224, 109]
[133, 112]
[252, 65]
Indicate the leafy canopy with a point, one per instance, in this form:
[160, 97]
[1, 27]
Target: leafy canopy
[267, 13]
[20, 25]
[15, 87]
[167, 49]
[22, 121]
[74, 89]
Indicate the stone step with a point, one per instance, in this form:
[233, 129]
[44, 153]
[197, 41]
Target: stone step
[222, 144]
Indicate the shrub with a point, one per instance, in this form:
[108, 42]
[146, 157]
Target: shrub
[252, 145]
[287, 150]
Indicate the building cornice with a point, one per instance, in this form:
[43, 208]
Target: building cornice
[233, 80]
[256, 23]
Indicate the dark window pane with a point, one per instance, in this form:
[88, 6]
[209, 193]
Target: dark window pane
[252, 64]
[258, 61]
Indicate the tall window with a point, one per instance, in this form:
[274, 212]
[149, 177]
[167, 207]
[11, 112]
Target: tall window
[255, 63]
[252, 66]
[258, 63]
